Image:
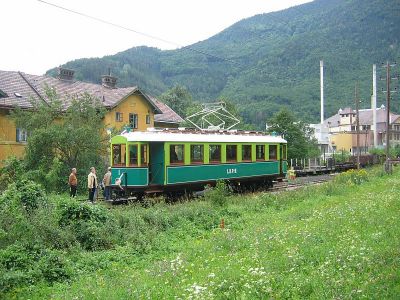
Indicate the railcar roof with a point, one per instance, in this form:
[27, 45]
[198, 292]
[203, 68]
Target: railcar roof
[202, 136]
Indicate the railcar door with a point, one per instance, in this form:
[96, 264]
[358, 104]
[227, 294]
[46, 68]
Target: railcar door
[156, 163]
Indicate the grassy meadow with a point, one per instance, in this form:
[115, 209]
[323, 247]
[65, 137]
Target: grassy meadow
[337, 240]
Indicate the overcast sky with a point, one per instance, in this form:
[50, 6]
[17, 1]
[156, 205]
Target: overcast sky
[36, 37]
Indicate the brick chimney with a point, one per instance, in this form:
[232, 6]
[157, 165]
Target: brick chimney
[108, 80]
[65, 74]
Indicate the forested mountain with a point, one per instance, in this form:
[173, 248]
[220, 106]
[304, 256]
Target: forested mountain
[271, 60]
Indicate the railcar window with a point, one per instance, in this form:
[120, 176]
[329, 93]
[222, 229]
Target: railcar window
[196, 153]
[260, 152]
[176, 154]
[246, 152]
[118, 154]
[273, 152]
[133, 155]
[143, 158]
[284, 154]
[231, 152]
[215, 153]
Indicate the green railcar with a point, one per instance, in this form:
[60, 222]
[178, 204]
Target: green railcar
[159, 161]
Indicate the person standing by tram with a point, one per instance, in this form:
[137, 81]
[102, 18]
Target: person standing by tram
[107, 184]
[92, 184]
[73, 183]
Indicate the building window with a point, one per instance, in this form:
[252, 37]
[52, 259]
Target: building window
[133, 121]
[176, 154]
[231, 153]
[215, 153]
[246, 152]
[196, 153]
[21, 135]
[133, 155]
[118, 116]
[118, 155]
[273, 152]
[143, 153]
[147, 119]
[260, 152]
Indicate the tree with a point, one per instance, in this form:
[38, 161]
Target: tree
[61, 138]
[298, 134]
[179, 99]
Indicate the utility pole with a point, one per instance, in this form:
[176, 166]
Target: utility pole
[357, 125]
[373, 105]
[321, 68]
[388, 92]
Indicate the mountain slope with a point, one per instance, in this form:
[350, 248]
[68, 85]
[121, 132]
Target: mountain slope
[273, 59]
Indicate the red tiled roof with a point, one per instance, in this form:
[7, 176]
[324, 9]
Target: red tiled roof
[168, 115]
[365, 116]
[20, 87]
[17, 89]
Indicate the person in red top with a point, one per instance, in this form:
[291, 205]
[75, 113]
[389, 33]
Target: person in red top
[73, 183]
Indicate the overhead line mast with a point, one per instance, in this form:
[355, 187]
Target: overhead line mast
[357, 102]
[388, 92]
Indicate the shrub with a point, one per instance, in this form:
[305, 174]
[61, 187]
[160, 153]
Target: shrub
[31, 194]
[218, 194]
[24, 264]
[352, 177]
[25, 193]
[12, 170]
[73, 212]
[88, 223]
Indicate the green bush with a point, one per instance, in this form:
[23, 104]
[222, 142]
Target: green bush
[31, 194]
[12, 170]
[217, 195]
[24, 264]
[24, 193]
[352, 177]
[73, 211]
[88, 224]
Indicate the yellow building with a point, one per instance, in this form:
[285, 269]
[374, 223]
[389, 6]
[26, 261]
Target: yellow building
[125, 106]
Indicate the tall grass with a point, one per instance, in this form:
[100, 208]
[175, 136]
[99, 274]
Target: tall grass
[337, 240]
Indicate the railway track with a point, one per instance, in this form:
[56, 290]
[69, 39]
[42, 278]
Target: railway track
[301, 182]
[278, 187]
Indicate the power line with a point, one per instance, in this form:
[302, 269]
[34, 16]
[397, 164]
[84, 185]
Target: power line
[232, 61]
[139, 32]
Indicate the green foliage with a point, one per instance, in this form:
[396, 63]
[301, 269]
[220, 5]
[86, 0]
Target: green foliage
[342, 156]
[73, 211]
[298, 134]
[352, 177]
[31, 264]
[60, 140]
[88, 224]
[275, 59]
[274, 245]
[25, 193]
[394, 152]
[218, 195]
[179, 99]
[12, 170]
